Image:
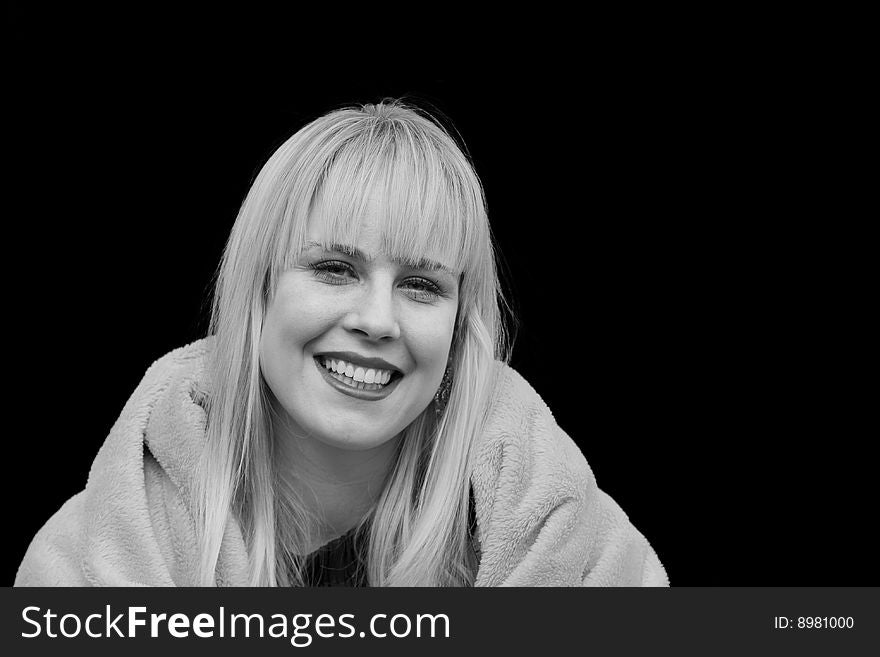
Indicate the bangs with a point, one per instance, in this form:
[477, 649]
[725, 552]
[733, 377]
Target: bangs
[429, 203]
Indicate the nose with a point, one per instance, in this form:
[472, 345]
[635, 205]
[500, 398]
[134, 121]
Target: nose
[374, 315]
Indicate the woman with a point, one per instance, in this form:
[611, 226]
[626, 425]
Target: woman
[350, 420]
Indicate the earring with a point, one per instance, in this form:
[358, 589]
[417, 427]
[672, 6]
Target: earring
[441, 398]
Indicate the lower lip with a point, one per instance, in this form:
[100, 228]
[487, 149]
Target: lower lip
[357, 393]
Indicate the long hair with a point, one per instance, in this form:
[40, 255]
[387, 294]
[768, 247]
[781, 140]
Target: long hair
[431, 204]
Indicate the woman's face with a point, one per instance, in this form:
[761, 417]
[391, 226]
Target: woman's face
[354, 344]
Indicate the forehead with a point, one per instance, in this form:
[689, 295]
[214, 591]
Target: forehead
[377, 232]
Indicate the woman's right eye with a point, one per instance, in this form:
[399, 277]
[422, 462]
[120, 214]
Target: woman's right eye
[335, 272]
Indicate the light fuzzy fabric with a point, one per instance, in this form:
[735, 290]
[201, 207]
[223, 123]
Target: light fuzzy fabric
[541, 519]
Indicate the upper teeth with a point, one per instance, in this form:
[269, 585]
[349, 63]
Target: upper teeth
[357, 373]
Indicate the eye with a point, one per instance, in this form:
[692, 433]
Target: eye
[422, 289]
[334, 272]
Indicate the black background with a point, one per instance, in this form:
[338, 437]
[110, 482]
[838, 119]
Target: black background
[673, 266]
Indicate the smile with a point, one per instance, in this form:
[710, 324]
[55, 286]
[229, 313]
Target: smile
[365, 383]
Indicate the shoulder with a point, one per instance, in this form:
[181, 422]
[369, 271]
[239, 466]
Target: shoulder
[174, 431]
[515, 402]
[546, 521]
[521, 429]
[184, 364]
[536, 497]
[52, 558]
[132, 523]
[164, 415]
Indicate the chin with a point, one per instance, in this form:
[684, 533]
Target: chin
[354, 443]
[349, 434]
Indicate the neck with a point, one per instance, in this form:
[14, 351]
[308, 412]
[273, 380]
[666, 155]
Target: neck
[337, 486]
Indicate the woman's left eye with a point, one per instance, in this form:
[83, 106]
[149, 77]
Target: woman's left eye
[421, 289]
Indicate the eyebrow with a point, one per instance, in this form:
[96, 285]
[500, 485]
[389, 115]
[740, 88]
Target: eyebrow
[354, 252]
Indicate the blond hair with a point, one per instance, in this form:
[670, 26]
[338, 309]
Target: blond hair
[432, 205]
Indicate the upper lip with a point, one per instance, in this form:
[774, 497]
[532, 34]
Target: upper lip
[358, 359]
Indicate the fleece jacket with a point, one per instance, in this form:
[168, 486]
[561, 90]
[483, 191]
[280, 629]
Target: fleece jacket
[542, 520]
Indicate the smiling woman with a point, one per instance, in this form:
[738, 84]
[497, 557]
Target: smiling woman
[350, 419]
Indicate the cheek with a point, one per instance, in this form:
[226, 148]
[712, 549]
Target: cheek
[292, 321]
[431, 340]
[296, 318]
[273, 355]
